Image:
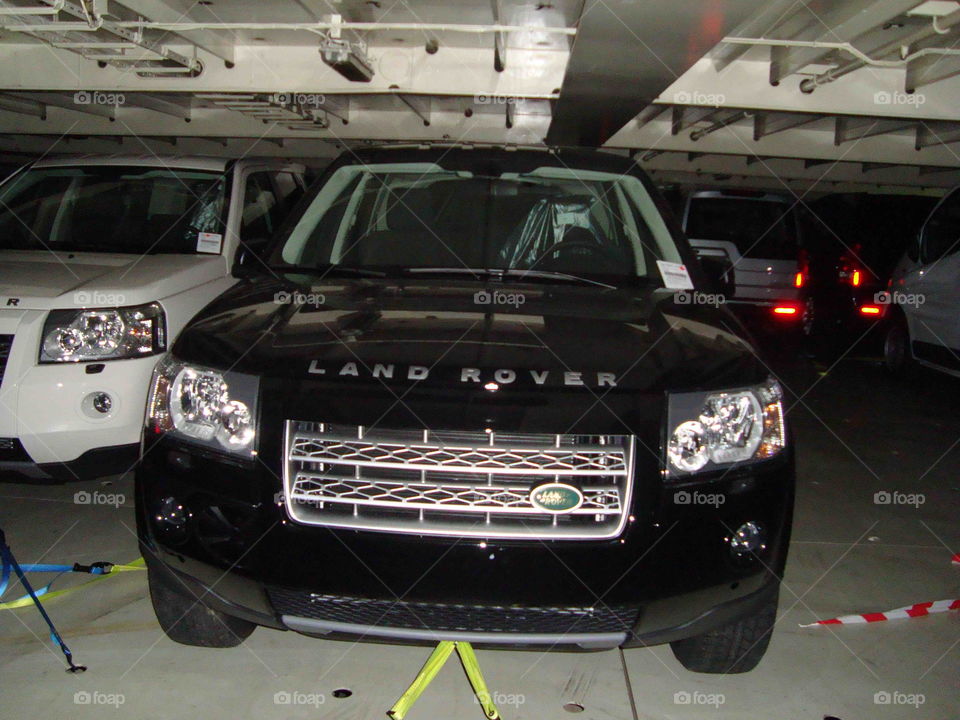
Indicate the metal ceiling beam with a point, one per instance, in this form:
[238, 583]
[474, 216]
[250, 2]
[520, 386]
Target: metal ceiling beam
[216, 42]
[844, 23]
[79, 102]
[23, 106]
[684, 116]
[772, 20]
[930, 68]
[765, 124]
[144, 67]
[734, 117]
[499, 39]
[626, 53]
[420, 105]
[850, 128]
[891, 47]
[160, 103]
[929, 136]
[870, 167]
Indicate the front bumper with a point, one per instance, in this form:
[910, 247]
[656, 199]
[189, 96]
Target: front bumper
[47, 430]
[669, 575]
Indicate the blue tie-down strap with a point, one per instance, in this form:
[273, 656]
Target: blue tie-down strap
[10, 563]
[97, 568]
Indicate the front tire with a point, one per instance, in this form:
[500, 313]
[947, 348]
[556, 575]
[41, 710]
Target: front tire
[188, 621]
[897, 357]
[734, 648]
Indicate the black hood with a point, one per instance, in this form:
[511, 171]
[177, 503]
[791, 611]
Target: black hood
[463, 334]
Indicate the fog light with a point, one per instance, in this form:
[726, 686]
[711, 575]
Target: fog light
[171, 519]
[102, 402]
[749, 538]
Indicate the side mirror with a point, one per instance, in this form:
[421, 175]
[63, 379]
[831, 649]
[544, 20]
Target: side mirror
[720, 273]
[250, 257]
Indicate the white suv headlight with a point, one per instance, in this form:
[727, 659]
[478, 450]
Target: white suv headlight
[711, 430]
[210, 407]
[107, 334]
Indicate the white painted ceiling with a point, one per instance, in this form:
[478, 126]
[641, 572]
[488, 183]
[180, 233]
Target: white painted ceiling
[863, 93]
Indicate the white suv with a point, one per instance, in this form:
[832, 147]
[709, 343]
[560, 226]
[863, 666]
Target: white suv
[924, 296]
[102, 261]
[758, 234]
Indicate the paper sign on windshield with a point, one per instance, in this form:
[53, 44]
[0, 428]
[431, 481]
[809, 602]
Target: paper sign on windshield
[675, 275]
[209, 242]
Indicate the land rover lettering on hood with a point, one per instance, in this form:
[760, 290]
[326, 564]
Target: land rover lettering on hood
[465, 400]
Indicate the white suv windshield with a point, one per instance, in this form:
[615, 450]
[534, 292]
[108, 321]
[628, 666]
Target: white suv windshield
[110, 209]
[391, 218]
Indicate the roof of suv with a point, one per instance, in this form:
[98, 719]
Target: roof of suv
[492, 158]
[191, 162]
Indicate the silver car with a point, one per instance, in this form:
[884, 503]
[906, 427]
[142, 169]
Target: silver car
[758, 234]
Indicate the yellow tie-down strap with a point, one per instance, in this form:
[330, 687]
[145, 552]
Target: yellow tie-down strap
[137, 564]
[429, 671]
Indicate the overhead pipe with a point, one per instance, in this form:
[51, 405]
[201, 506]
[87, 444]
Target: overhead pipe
[720, 124]
[318, 27]
[861, 59]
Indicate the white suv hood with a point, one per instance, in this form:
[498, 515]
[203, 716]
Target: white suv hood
[40, 280]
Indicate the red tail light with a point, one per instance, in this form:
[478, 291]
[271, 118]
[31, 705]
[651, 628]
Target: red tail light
[803, 269]
[786, 311]
[870, 310]
[850, 270]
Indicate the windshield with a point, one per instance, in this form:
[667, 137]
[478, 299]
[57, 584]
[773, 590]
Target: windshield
[410, 217]
[112, 209]
[759, 228]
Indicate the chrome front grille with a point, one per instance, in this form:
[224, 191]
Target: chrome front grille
[471, 484]
[6, 342]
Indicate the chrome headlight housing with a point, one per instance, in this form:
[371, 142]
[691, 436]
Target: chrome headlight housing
[716, 430]
[105, 334]
[213, 408]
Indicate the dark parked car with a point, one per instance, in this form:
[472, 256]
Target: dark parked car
[466, 403]
[854, 240]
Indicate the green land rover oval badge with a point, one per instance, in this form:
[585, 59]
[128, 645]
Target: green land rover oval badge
[556, 498]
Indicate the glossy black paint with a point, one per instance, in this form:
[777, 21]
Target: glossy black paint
[672, 562]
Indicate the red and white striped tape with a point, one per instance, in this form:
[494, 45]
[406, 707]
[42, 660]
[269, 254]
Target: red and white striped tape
[910, 611]
[918, 610]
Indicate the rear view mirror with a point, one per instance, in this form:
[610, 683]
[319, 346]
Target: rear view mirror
[720, 273]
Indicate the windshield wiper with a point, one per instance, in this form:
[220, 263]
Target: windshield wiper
[550, 274]
[331, 270]
[500, 273]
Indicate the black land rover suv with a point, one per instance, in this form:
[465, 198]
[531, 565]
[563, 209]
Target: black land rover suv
[462, 400]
